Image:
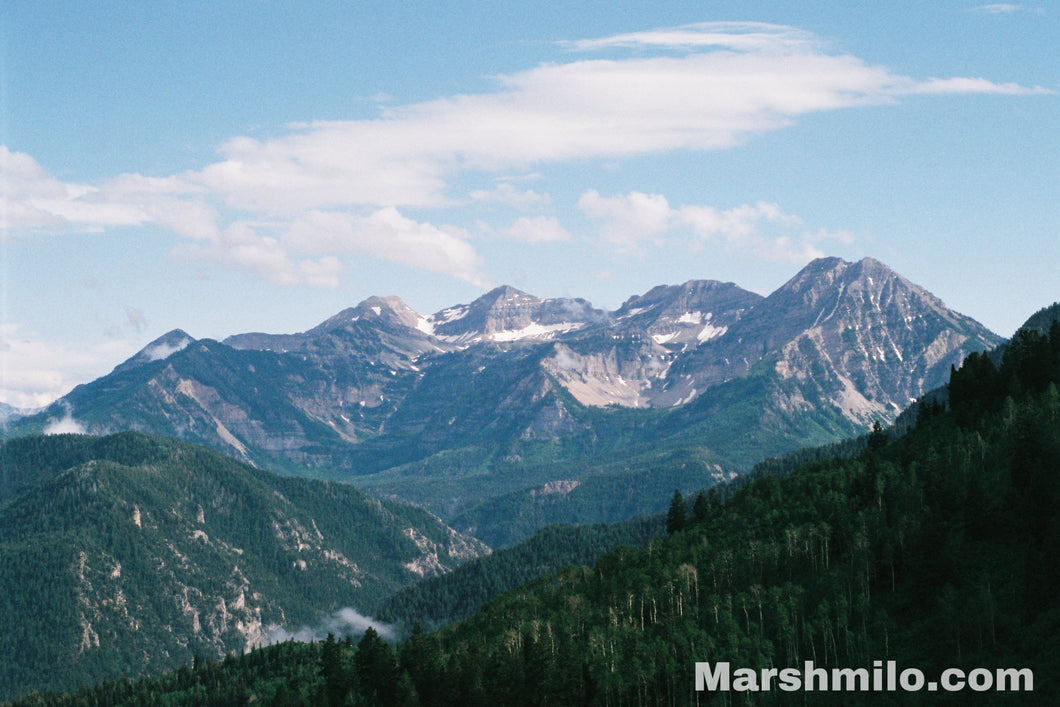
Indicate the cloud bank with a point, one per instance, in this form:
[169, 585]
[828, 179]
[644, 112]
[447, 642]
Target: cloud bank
[34, 373]
[299, 208]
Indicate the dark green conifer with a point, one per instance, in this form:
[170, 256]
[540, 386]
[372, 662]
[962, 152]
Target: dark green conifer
[677, 515]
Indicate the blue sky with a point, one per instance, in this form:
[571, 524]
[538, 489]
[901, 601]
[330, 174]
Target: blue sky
[226, 167]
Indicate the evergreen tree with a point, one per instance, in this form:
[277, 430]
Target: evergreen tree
[333, 671]
[677, 515]
[376, 669]
[700, 509]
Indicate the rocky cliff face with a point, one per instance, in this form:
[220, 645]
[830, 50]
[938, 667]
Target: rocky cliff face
[629, 360]
[865, 339]
[854, 336]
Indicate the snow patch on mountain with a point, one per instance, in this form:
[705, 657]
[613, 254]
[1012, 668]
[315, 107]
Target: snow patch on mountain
[709, 332]
[536, 331]
[425, 325]
[447, 316]
[694, 318]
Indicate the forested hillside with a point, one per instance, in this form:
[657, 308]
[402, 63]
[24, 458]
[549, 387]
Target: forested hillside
[937, 549]
[458, 594]
[133, 553]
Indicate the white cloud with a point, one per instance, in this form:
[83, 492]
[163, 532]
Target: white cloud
[33, 200]
[759, 230]
[736, 227]
[821, 236]
[33, 373]
[29, 195]
[706, 86]
[344, 622]
[64, 425]
[998, 9]
[240, 245]
[324, 273]
[733, 80]
[740, 36]
[785, 249]
[538, 229]
[974, 85]
[162, 351]
[388, 235]
[508, 195]
[627, 219]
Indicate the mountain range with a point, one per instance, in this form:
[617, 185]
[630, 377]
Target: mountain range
[518, 408]
[931, 547]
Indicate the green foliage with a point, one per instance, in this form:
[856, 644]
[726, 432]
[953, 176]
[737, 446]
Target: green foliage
[281, 675]
[938, 548]
[677, 515]
[457, 595]
[131, 554]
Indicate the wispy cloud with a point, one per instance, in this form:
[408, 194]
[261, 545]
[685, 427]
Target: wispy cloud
[162, 351]
[1003, 8]
[387, 234]
[333, 191]
[342, 623]
[136, 319]
[241, 245]
[536, 229]
[999, 8]
[505, 193]
[739, 36]
[65, 425]
[627, 219]
[760, 230]
[935, 86]
[34, 373]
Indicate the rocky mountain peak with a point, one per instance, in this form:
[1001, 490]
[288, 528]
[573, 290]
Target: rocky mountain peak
[829, 290]
[828, 274]
[875, 339]
[508, 314]
[387, 310]
[502, 295]
[693, 299]
[681, 317]
[817, 277]
[502, 309]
